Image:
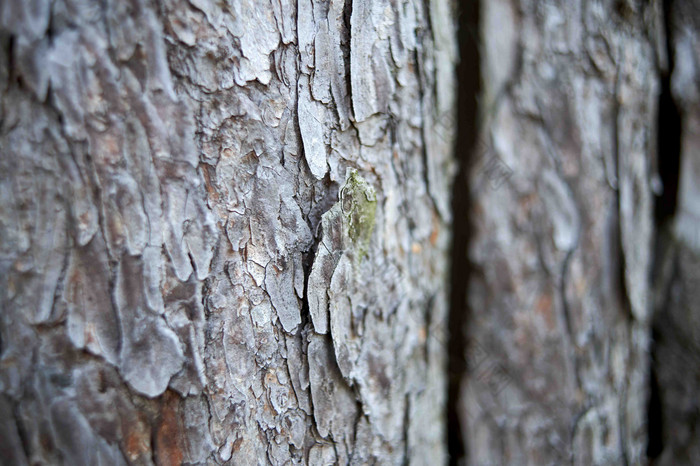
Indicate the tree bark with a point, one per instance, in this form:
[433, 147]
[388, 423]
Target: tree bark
[166, 168]
[677, 272]
[560, 248]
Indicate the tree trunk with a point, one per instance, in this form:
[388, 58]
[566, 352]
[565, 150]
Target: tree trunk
[561, 212]
[676, 351]
[179, 281]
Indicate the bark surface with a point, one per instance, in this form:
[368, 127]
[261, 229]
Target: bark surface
[562, 224]
[165, 170]
[677, 271]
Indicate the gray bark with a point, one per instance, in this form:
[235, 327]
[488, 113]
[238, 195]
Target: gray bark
[677, 274]
[562, 225]
[165, 170]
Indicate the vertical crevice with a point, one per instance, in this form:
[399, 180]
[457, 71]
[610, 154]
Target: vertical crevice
[655, 442]
[22, 432]
[406, 428]
[347, 15]
[469, 85]
[669, 134]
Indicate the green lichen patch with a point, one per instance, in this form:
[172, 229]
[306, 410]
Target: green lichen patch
[358, 201]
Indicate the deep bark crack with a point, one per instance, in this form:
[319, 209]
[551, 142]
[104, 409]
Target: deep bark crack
[669, 136]
[469, 77]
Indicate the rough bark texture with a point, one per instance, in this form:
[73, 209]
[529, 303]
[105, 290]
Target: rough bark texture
[677, 273]
[562, 223]
[164, 173]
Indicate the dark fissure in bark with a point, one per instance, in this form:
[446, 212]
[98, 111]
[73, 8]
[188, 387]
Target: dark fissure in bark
[669, 128]
[655, 442]
[669, 133]
[469, 85]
